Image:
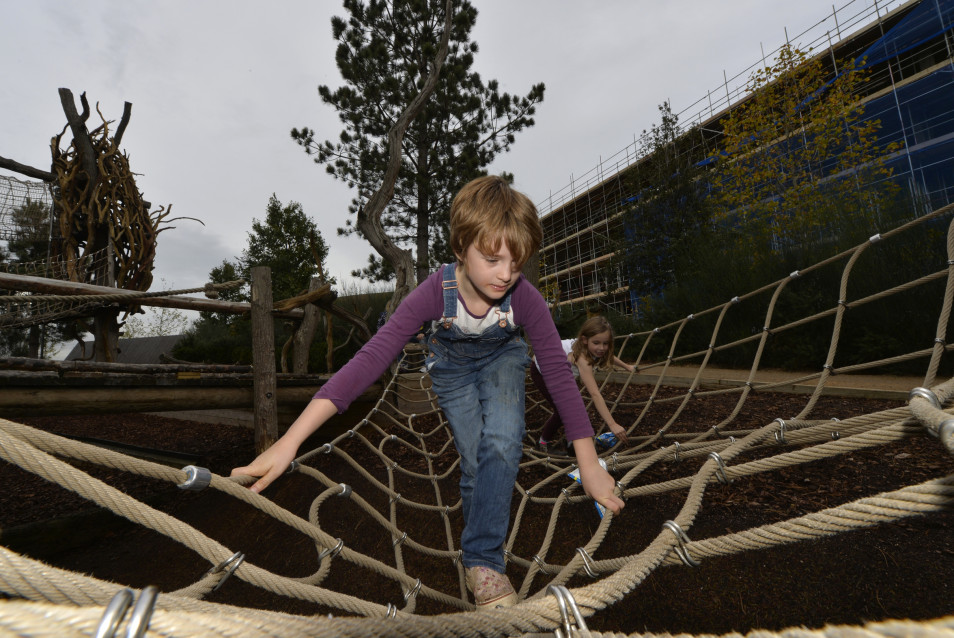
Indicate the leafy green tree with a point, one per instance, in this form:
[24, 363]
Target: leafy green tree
[801, 164]
[384, 51]
[800, 176]
[288, 242]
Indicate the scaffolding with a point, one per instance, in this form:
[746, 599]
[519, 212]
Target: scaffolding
[907, 47]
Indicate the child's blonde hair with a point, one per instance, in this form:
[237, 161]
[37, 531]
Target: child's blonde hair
[590, 328]
[487, 211]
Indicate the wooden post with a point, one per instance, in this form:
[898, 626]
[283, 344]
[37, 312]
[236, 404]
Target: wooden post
[305, 333]
[264, 400]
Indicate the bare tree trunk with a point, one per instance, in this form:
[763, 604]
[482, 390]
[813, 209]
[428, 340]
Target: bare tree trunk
[369, 215]
[305, 333]
[106, 321]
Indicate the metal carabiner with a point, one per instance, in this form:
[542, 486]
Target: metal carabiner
[567, 606]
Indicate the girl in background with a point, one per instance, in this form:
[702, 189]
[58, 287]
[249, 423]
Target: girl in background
[592, 348]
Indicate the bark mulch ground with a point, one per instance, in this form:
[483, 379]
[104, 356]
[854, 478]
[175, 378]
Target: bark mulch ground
[896, 571]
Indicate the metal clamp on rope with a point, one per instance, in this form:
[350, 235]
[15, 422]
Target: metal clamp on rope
[345, 490]
[588, 566]
[675, 453]
[542, 565]
[926, 394]
[681, 550]
[113, 614]
[229, 565]
[142, 612]
[334, 551]
[720, 471]
[567, 606]
[138, 620]
[292, 467]
[413, 591]
[197, 478]
[780, 433]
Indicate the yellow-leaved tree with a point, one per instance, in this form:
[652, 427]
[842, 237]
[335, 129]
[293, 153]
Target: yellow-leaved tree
[801, 164]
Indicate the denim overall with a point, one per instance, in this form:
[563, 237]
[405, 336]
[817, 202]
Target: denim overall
[479, 381]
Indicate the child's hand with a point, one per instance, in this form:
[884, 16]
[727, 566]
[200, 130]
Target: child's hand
[619, 431]
[599, 485]
[269, 465]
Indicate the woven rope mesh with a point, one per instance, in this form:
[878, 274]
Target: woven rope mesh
[378, 502]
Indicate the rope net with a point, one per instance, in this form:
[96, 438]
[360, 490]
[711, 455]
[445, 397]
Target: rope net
[15, 194]
[381, 498]
[22, 310]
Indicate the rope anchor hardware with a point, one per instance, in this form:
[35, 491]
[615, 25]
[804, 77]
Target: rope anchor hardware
[681, 550]
[720, 471]
[116, 610]
[197, 478]
[413, 591]
[780, 433]
[927, 395]
[567, 606]
[334, 551]
[542, 565]
[229, 565]
[588, 565]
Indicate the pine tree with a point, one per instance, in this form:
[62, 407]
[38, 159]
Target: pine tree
[384, 52]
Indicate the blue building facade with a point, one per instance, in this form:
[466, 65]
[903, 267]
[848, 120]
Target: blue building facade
[908, 51]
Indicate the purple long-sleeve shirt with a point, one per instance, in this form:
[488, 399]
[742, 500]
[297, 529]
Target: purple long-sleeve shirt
[426, 304]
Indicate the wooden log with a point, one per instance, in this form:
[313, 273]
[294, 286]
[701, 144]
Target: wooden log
[54, 401]
[42, 285]
[263, 360]
[39, 365]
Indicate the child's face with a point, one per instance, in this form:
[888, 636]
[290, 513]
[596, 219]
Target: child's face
[598, 344]
[490, 276]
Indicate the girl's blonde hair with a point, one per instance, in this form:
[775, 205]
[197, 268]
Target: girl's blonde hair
[590, 328]
[487, 211]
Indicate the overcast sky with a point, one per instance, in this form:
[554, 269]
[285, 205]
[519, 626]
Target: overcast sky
[216, 86]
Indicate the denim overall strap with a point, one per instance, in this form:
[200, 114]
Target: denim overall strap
[503, 309]
[449, 286]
